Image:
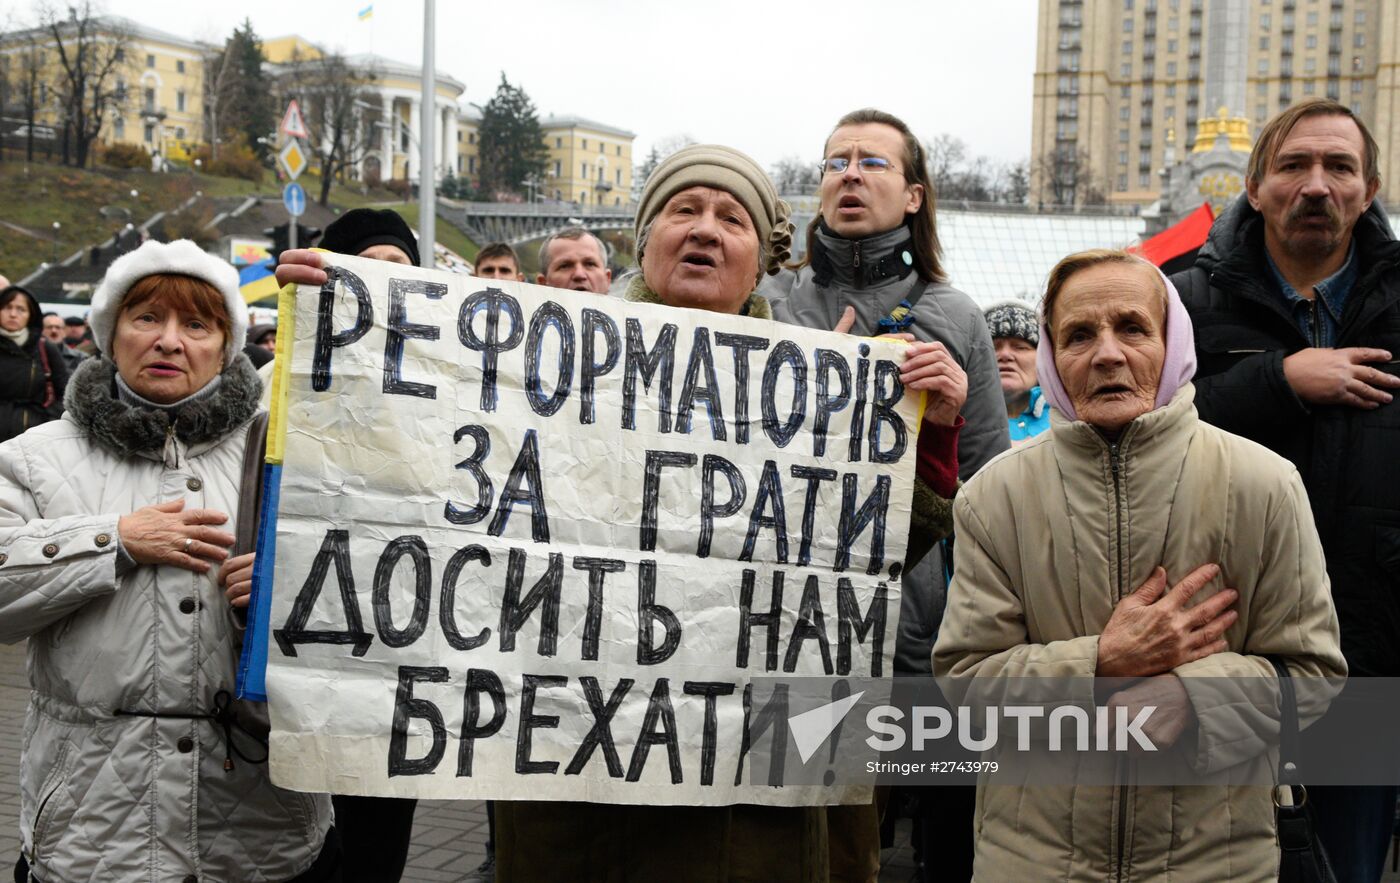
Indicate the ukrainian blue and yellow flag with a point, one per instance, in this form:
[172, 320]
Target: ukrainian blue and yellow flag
[256, 282]
[367, 12]
[252, 664]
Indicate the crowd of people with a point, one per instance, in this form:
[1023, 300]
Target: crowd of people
[38, 352]
[1154, 479]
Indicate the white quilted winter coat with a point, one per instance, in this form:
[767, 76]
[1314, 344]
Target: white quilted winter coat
[118, 797]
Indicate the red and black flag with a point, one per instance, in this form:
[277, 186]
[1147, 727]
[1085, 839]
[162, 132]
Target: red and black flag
[1175, 248]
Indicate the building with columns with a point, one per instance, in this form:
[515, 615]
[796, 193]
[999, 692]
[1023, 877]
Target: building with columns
[399, 88]
[391, 114]
[159, 104]
[1120, 83]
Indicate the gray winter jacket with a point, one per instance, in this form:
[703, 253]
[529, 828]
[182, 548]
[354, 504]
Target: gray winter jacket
[941, 313]
[109, 792]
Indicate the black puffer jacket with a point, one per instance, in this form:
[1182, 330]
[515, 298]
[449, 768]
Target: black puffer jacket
[26, 396]
[1346, 456]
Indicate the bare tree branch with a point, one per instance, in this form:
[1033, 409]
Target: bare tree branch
[91, 51]
[795, 176]
[1067, 179]
[332, 94]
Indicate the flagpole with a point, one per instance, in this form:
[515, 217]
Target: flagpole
[367, 14]
[427, 171]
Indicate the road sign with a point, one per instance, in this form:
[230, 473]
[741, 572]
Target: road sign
[293, 126]
[293, 159]
[294, 198]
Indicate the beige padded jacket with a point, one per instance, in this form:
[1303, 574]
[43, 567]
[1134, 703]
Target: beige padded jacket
[1050, 536]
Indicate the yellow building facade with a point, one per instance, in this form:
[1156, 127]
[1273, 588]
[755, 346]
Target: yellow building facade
[589, 163]
[158, 85]
[468, 144]
[159, 105]
[393, 117]
[164, 88]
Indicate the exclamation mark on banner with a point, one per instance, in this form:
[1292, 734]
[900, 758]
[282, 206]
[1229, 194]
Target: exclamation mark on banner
[839, 690]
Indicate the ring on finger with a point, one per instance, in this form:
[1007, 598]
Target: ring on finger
[189, 541]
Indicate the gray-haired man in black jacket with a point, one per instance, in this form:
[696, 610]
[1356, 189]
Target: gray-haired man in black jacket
[1295, 300]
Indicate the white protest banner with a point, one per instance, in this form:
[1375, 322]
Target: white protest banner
[536, 544]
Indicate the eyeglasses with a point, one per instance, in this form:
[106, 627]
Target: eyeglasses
[868, 165]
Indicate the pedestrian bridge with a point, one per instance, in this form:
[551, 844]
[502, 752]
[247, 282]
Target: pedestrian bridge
[518, 223]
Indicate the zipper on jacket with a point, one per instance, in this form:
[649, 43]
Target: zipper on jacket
[39, 820]
[1115, 467]
[1122, 816]
[855, 255]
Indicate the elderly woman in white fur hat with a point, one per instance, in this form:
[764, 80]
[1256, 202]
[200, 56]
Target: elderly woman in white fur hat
[114, 557]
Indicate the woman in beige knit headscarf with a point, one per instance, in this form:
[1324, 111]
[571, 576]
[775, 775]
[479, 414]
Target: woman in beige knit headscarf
[710, 225]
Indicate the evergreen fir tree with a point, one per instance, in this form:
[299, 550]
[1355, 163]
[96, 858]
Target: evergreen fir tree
[512, 142]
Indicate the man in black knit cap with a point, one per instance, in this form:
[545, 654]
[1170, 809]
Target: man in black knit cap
[377, 234]
[374, 830]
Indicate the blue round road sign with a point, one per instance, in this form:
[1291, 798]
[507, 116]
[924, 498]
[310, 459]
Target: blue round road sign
[294, 198]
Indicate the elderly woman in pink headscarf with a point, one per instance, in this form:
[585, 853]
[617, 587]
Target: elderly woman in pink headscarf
[1134, 541]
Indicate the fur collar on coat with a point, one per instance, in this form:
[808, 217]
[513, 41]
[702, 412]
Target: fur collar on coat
[128, 430]
[637, 291]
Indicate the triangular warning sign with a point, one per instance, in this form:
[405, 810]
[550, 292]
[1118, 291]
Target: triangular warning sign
[292, 124]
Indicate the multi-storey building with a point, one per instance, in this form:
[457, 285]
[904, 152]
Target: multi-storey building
[468, 136]
[1121, 84]
[157, 84]
[390, 118]
[158, 103]
[589, 163]
[164, 86]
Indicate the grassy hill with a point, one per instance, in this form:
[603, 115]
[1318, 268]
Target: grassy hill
[38, 194]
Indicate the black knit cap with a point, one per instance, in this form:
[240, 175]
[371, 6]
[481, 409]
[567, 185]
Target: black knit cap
[358, 229]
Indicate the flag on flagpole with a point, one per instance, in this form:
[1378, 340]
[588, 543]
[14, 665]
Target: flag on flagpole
[367, 12]
[1175, 248]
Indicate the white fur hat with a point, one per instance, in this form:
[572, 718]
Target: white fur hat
[182, 257]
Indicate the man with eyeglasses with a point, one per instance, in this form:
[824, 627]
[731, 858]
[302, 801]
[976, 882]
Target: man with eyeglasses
[872, 267]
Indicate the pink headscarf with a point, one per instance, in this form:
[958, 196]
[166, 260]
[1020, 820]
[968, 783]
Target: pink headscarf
[1178, 367]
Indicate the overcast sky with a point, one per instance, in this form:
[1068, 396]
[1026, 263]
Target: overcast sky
[769, 77]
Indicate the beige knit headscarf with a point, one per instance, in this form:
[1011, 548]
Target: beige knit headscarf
[723, 168]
